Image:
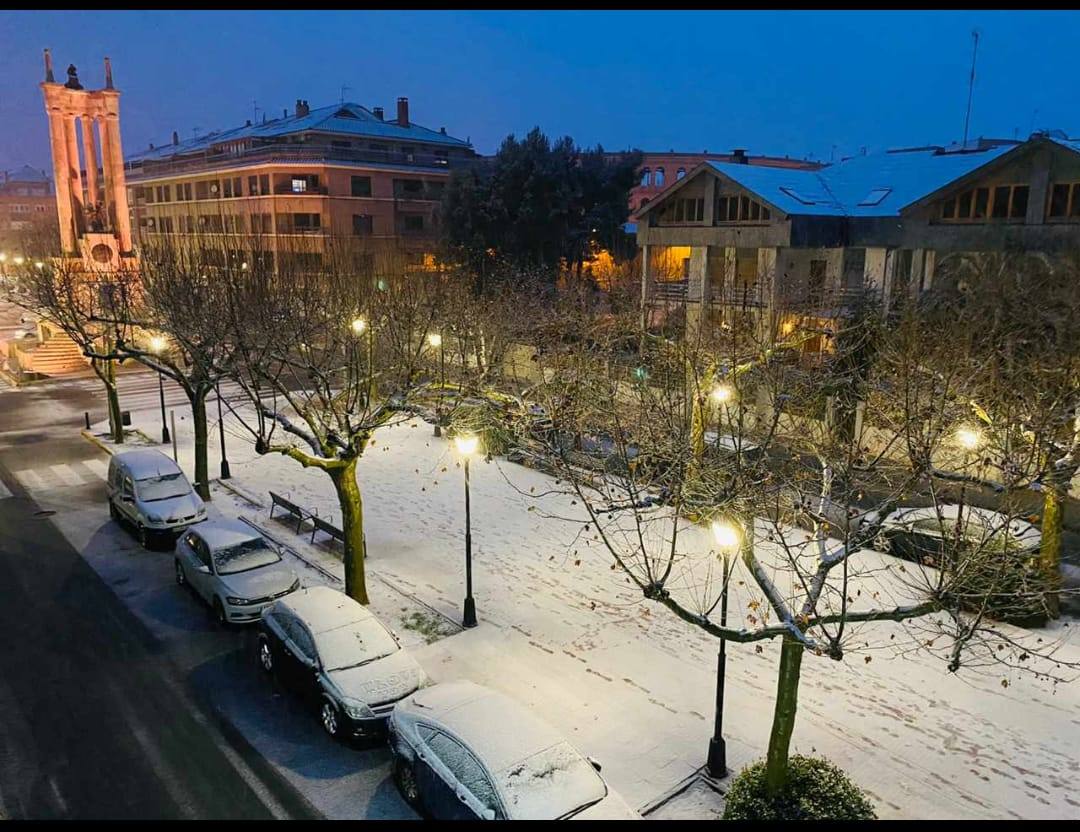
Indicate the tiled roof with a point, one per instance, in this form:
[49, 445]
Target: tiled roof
[341, 119]
[27, 174]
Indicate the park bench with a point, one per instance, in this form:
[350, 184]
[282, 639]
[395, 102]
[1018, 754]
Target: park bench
[291, 508]
[320, 525]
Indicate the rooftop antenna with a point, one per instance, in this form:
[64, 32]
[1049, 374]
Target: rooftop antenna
[255, 111]
[1034, 115]
[343, 88]
[195, 132]
[971, 83]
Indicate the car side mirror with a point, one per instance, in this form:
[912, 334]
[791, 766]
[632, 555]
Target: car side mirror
[594, 763]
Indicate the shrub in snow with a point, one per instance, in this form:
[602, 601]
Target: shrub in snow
[815, 790]
[487, 422]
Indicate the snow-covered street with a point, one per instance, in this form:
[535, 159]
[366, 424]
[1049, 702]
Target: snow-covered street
[633, 686]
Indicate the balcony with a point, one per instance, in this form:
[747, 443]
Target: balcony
[287, 189]
[754, 296]
[293, 154]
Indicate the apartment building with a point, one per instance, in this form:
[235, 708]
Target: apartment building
[339, 171]
[731, 238]
[27, 203]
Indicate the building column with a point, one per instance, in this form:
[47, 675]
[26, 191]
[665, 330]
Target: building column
[769, 281]
[106, 179]
[90, 157]
[74, 173]
[646, 251]
[61, 180]
[918, 264]
[697, 290]
[117, 186]
[888, 278]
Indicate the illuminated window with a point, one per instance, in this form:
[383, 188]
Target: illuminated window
[645, 174]
[680, 173]
[658, 178]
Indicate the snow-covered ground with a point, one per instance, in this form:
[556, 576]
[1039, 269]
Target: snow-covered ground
[633, 686]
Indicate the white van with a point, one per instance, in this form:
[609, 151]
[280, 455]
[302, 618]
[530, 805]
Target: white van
[148, 490]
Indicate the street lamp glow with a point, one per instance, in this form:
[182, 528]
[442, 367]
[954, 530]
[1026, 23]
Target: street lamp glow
[243, 266]
[39, 265]
[434, 339]
[728, 536]
[722, 393]
[19, 260]
[157, 344]
[3, 256]
[969, 438]
[359, 325]
[466, 443]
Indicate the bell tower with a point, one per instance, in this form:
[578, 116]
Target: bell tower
[94, 220]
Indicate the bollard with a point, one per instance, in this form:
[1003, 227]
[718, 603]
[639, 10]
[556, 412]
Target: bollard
[125, 418]
[86, 413]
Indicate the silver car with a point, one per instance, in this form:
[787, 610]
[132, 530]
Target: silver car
[465, 752]
[233, 568]
[149, 491]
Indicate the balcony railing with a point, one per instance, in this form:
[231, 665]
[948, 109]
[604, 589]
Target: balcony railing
[754, 296]
[291, 154]
[310, 190]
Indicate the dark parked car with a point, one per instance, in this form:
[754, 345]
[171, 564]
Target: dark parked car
[339, 658]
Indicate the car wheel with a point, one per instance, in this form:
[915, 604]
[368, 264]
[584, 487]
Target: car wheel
[406, 781]
[328, 715]
[266, 655]
[882, 544]
[219, 613]
[181, 578]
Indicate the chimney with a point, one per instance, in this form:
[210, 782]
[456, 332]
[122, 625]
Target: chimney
[175, 137]
[302, 108]
[442, 131]
[403, 112]
[151, 145]
[284, 113]
[48, 68]
[739, 155]
[247, 123]
[108, 74]
[378, 111]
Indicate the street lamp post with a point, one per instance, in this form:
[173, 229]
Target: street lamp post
[157, 346]
[969, 438]
[728, 539]
[723, 395]
[435, 341]
[225, 473]
[466, 445]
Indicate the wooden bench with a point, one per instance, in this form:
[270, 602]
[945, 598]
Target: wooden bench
[291, 508]
[320, 525]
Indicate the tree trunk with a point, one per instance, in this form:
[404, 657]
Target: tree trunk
[787, 702]
[1053, 519]
[116, 424]
[352, 524]
[202, 470]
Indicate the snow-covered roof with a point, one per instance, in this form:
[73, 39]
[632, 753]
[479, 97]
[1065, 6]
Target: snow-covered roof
[146, 463]
[322, 608]
[221, 534]
[875, 185]
[981, 522]
[341, 119]
[26, 174]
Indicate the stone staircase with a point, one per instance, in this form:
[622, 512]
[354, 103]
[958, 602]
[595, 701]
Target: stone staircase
[57, 355]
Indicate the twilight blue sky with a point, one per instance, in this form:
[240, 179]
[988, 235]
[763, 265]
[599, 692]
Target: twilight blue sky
[804, 84]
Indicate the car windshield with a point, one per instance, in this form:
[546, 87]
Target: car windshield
[355, 643]
[975, 529]
[251, 554]
[165, 487]
[552, 784]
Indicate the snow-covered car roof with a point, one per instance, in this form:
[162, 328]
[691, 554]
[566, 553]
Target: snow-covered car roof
[990, 523]
[221, 534]
[730, 442]
[147, 463]
[322, 608]
[538, 773]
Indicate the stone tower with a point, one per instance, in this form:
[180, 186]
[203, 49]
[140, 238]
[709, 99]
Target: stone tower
[94, 220]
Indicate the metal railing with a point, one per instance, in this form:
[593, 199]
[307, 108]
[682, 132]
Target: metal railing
[755, 295]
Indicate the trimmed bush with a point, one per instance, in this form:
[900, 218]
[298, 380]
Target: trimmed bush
[815, 790]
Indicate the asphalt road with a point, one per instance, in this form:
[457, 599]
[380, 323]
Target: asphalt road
[99, 720]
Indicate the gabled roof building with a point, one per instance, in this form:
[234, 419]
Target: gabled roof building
[735, 235]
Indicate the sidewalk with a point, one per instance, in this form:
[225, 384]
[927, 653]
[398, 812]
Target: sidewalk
[633, 686]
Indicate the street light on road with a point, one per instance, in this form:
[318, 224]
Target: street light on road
[729, 538]
[466, 446]
[434, 340]
[225, 473]
[157, 347]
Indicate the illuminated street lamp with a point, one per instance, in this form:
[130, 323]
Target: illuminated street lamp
[466, 446]
[722, 393]
[969, 438]
[19, 260]
[157, 347]
[729, 539]
[359, 325]
[39, 265]
[434, 340]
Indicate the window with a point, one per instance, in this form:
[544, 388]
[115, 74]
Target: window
[658, 178]
[231, 187]
[300, 637]
[306, 222]
[740, 209]
[361, 224]
[464, 767]
[817, 277]
[799, 197]
[202, 190]
[875, 196]
[299, 186]
[1064, 201]
[413, 222]
[1000, 202]
[680, 173]
[150, 195]
[361, 186]
[646, 175]
[253, 186]
[409, 188]
[264, 184]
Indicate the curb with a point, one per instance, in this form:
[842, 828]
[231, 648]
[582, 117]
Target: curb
[698, 776]
[89, 436]
[239, 492]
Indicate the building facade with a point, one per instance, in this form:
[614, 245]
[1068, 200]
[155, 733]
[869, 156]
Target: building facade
[342, 171]
[27, 205]
[731, 238]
